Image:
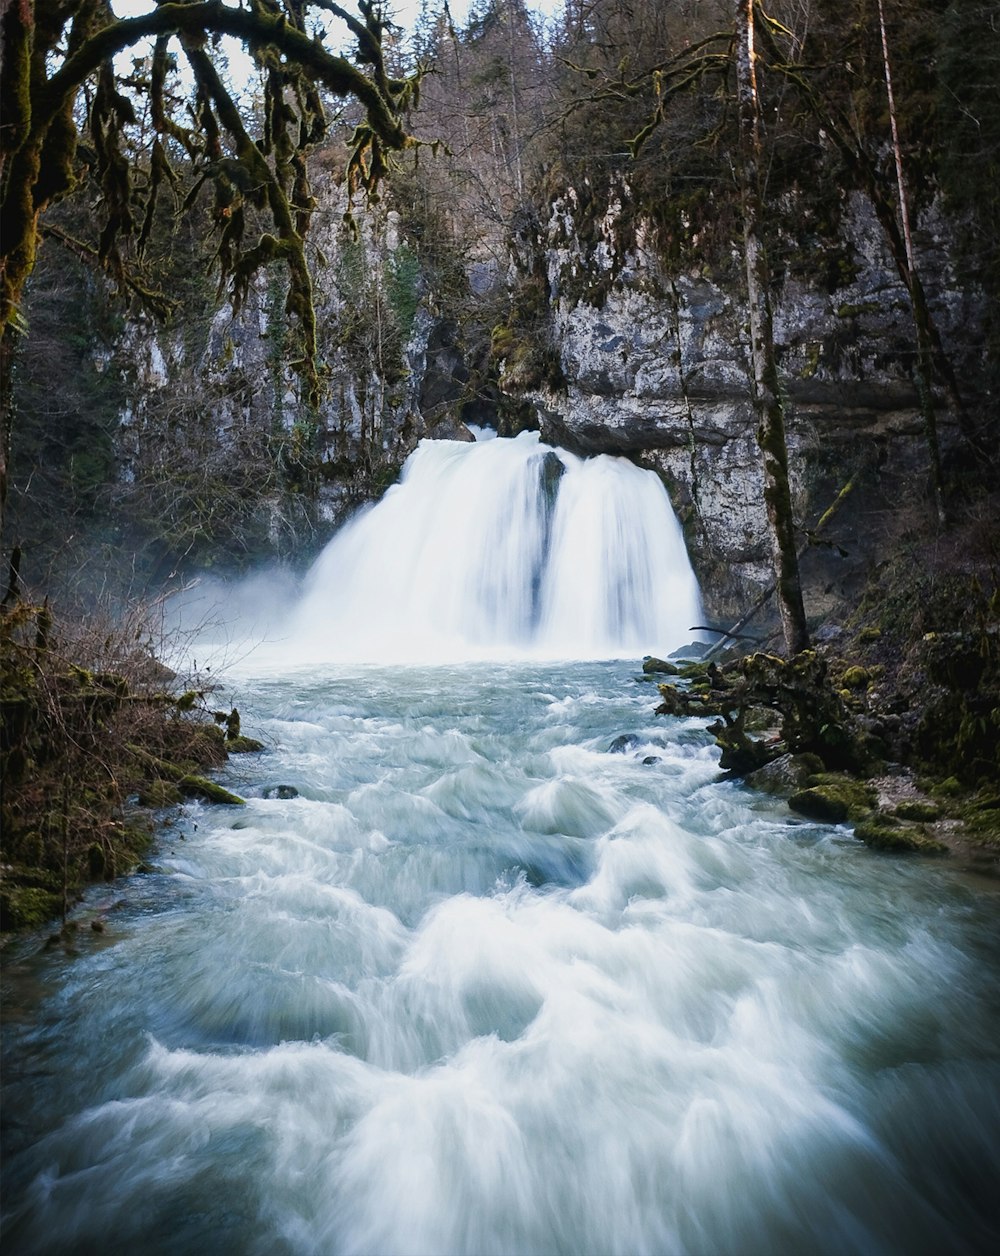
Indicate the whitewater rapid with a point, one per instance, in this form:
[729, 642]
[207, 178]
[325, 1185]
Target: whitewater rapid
[493, 962]
[486, 987]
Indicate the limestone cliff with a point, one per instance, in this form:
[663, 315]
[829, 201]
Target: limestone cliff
[652, 364]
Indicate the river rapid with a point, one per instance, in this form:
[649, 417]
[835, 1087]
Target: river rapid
[486, 986]
[494, 962]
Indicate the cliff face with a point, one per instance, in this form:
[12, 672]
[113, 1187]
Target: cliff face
[390, 371]
[655, 368]
[606, 348]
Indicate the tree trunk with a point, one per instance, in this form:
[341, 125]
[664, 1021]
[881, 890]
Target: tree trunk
[764, 371]
[921, 317]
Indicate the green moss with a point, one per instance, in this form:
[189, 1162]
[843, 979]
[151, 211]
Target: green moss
[881, 834]
[834, 799]
[243, 745]
[920, 811]
[760, 719]
[848, 310]
[980, 818]
[856, 678]
[157, 794]
[950, 787]
[812, 361]
[27, 906]
[201, 787]
[652, 665]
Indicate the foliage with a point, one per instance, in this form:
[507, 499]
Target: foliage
[72, 116]
[90, 721]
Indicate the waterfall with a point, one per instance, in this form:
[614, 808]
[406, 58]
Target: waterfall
[502, 548]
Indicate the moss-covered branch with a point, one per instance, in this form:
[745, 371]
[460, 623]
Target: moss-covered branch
[57, 52]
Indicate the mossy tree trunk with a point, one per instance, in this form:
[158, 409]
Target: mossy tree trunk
[764, 372]
[51, 49]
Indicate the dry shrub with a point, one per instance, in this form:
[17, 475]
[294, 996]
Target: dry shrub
[92, 724]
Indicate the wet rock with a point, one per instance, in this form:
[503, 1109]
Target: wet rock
[624, 743]
[281, 791]
[785, 775]
[552, 470]
[833, 800]
[653, 666]
[450, 427]
[650, 759]
[694, 650]
[881, 833]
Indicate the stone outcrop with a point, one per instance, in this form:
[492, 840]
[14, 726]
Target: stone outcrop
[619, 353]
[653, 366]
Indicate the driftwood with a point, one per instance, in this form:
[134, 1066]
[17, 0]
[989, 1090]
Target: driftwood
[811, 717]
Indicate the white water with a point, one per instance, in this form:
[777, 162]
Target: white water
[484, 988]
[481, 551]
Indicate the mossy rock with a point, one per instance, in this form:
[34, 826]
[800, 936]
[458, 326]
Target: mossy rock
[950, 787]
[856, 678]
[761, 719]
[881, 834]
[244, 745]
[693, 671]
[833, 799]
[652, 666]
[786, 774]
[920, 811]
[981, 819]
[27, 906]
[157, 794]
[208, 791]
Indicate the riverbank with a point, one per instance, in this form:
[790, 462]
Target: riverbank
[99, 737]
[891, 722]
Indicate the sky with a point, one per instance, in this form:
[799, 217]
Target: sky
[407, 10]
[405, 13]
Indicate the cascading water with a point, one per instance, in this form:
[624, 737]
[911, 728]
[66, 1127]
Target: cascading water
[504, 547]
[492, 962]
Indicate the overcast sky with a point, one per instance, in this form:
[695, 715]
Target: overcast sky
[405, 13]
[407, 10]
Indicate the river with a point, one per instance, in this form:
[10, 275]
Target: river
[494, 962]
[484, 986]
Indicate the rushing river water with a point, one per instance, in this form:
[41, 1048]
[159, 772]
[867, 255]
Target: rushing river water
[493, 962]
[485, 986]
